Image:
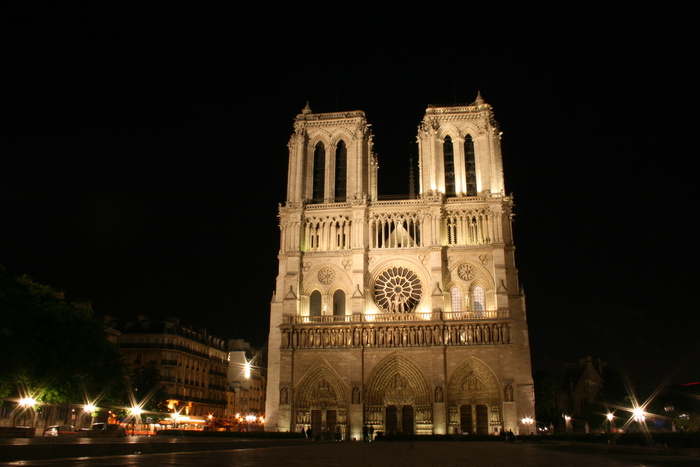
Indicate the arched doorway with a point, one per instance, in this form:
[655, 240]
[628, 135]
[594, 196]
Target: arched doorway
[474, 399]
[398, 398]
[322, 404]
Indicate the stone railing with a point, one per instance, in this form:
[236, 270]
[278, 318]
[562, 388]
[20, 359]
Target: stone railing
[399, 317]
[393, 334]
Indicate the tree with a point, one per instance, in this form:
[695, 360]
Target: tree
[546, 402]
[53, 351]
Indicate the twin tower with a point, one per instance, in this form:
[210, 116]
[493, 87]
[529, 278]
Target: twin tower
[405, 316]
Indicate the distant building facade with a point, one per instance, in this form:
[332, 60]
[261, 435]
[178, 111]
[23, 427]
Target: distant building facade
[193, 364]
[247, 380]
[402, 315]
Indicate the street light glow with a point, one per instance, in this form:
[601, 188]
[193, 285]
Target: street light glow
[27, 402]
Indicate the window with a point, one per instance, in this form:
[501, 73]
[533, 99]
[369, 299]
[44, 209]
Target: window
[315, 303]
[341, 163]
[478, 298]
[448, 154]
[319, 173]
[339, 303]
[470, 165]
[456, 299]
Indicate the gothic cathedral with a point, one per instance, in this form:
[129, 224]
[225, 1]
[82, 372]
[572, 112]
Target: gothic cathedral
[398, 316]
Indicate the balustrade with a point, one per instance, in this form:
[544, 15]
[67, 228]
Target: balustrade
[353, 334]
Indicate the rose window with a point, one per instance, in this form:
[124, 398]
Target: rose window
[326, 275]
[397, 290]
[466, 272]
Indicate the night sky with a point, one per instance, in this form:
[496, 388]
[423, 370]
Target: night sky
[146, 154]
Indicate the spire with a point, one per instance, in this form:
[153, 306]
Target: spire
[307, 109]
[479, 100]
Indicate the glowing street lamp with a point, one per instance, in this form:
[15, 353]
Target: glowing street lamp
[527, 421]
[89, 410]
[27, 402]
[638, 415]
[610, 417]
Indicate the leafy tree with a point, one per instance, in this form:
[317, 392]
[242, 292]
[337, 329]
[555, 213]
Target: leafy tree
[53, 351]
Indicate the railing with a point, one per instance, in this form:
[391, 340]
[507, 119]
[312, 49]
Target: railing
[398, 317]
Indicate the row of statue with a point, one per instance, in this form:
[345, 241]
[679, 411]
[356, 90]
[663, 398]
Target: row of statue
[394, 336]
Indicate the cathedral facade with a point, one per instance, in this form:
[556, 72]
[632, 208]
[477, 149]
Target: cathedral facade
[400, 316]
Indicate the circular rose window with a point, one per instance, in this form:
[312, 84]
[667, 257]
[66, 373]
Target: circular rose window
[397, 290]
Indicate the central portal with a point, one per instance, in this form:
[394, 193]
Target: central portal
[324, 424]
[399, 421]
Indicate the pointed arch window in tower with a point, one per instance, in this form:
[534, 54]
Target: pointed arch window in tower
[319, 173]
[339, 303]
[478, 298]
[449, 160]
[315, 303]
[341, 164]
[470, 165]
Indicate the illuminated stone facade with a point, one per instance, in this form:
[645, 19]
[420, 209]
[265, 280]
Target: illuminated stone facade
[401, 315]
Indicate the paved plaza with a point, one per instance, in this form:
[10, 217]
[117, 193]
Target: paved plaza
[249, 453]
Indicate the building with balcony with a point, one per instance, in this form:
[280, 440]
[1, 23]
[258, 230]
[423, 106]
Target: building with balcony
[192, 363]
[402, 315]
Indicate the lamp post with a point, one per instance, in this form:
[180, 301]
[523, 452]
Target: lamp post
[527, 421]
[89, 411]
[639, 416]
[136, 411]
[28, 403]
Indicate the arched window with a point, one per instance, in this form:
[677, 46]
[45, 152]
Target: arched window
[470, 165]
[315, 303]
[341, 164]
[449, 159]
[339, 303]
[456, 299]
[478, 298]
[319, 173]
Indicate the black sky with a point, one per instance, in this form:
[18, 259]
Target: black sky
[133, 130]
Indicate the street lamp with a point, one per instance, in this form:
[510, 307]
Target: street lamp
[89, 410]
[28, 403]
[136, 411]
[527, 421]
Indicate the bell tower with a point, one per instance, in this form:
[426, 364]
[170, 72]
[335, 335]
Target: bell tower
[460, 151]
[330, 158]
[404, 315]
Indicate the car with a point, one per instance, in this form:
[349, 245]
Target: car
[106, 430]
[61, 430]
